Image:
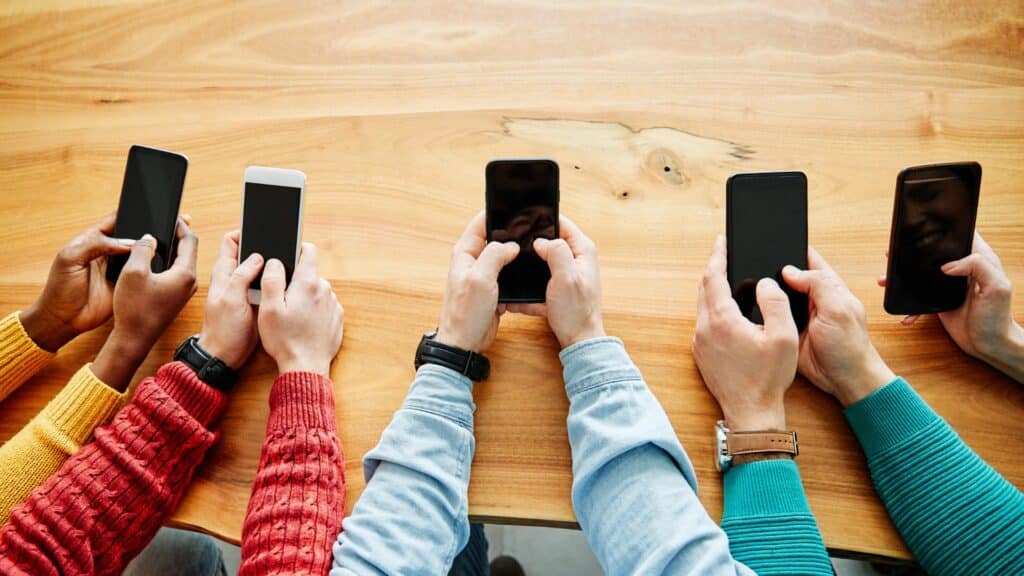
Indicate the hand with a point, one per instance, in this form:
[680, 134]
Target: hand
[836, 353]
[229, 327]
[301, 326]
[145, 304]
[747, 367]
[470, 312]
[573, 301]
[77, 296]
[983, 326]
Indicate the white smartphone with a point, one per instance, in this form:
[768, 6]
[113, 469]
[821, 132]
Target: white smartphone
[271, 219]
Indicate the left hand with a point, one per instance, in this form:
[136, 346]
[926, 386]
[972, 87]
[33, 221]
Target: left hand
[470, 312]
[229, 324]
[747, 367]
[77, 296]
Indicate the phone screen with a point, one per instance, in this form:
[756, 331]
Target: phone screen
[150, 198]
[270, 225]
[933, 223]
[522, 205]
[766, 229]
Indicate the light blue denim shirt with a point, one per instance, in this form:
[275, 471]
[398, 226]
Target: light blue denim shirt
[634, 490]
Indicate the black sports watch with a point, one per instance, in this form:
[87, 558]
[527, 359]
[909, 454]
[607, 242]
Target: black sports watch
[208, 368]
[470, 364]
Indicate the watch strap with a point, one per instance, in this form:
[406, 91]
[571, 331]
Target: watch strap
[208, 368]
[740, 443]
[468, 363]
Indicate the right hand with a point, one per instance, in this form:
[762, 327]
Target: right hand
[229, 325]
[573, 300]
[836, 353]
[301, 327]
[470, 311]
[77, 296]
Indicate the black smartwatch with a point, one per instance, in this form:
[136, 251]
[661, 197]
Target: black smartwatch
[470, 364]
[208, 368]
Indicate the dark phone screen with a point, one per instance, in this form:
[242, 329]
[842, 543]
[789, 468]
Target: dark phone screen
[933, 225]
[766, 225]
[270, 225]
[522, 205]
[150, 198]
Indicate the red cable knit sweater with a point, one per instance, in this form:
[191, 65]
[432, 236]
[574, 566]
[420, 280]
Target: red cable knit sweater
[109, 499]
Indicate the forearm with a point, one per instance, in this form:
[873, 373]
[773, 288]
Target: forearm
[119, 359]
[1008, 355]
[20, 356]
[413, 515]
[58, 431]
[765, 506]
[300, 482]
[108, 500]
[617, 430]
[956, 514]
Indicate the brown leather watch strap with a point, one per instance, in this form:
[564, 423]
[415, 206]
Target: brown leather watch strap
[760, 442]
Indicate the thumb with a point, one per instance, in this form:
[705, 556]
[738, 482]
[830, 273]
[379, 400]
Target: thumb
[273, 282]
[95, 244]
[556, 253]
[495, 256]
[774, 305]
[246, 272]
[142, 253]
[983, 270]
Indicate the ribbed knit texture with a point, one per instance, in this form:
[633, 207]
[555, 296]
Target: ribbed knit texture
[770, 525]
[20, 358]
[41, 447]
[957, 515]
[108, 500]
[298, 498]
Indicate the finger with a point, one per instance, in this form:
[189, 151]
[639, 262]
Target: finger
[107, 224]
[272, 284]
[529, 309]
[473, 239]
[908, 320]
[227, 261]
[306, 268]
[815, 261]
[715, 281]
[93, 244]
[982, 247]
[243, 275]
[188, 247]
[187, 218]
[495, 256]
[882, 281]
[578, 242]
[142, 254]
[980, 268]
[557, 254]
[501, 309]
[774, 305]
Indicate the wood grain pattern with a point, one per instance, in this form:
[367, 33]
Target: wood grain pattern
[392, 110]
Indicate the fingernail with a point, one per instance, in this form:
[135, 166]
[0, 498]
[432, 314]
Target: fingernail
[790, 269]
[125, 241]
[770, 281]
[543, 241]
[147, 238]
[948, 266]
[253, 258]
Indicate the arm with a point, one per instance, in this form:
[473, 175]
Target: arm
[421, 464]
[301, 481]
[20, 356]
[109, 499]
[956, 513]
[58, 431]
[651, 524]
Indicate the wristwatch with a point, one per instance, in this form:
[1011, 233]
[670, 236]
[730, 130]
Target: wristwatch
[471, 364]
[730, 444]
[208, 368]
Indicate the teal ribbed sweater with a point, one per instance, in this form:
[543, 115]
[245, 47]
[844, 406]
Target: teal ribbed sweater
[957, 515]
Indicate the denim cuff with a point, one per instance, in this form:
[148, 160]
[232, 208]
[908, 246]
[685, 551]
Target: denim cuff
[444, 392]
[594, 363]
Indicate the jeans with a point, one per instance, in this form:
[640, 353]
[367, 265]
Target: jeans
[176, 552]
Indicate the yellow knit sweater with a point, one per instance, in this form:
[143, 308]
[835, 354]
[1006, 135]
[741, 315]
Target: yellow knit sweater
[41, 447]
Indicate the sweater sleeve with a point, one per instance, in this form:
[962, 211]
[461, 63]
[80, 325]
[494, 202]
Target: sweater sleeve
[41, 447]
[20, 357]
[109, 499]
[765, 506]
[956, 514]
[298, 498]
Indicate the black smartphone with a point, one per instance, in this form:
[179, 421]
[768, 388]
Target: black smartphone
[522, 205]
[150, 198]
[933, 221]
[766, 229]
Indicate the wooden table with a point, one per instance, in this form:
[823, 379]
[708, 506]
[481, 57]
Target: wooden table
[392, 110]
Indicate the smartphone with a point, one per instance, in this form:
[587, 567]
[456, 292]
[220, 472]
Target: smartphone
[522, 205]
[271, 219]
[933, 221]
[766, 229]
[150, 199]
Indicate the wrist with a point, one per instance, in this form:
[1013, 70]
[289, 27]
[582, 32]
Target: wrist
[453, 338]
[118, 361]
[219, 351]
[1009, 349]
[769, 419]
[595, 329]
[47, 331]
[297, 364]
[874, 374]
